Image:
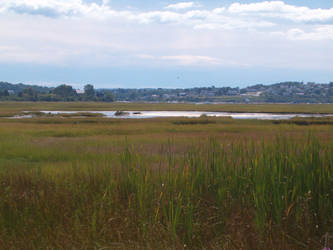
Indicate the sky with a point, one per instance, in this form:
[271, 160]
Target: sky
[168, 44]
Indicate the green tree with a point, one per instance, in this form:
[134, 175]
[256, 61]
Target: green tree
[108, 96]
[89, 91]
[133, 95]
[65, 91]
[4, 93]
[29, 94]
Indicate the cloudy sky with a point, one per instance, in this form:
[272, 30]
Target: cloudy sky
[152, 43]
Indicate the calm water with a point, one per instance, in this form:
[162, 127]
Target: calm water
[157, 114]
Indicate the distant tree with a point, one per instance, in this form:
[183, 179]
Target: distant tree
[108, 96]
[89, 91]
[133, 95]
[330, 92]
[28, 91]
[29, 94]
[64, 91]
[4, 93]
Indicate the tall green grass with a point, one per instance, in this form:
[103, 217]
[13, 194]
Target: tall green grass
[280, 191]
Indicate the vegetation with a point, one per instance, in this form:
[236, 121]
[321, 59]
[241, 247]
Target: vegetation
[34, 114]
[284, 92]
[176, 183]
[64, 93]
[121, 113]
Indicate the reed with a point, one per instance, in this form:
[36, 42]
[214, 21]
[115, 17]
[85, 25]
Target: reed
[103, 185]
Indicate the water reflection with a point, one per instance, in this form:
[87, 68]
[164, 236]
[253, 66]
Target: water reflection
[158, 114]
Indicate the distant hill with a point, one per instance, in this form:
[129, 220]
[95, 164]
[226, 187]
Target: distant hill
[17, 88]
[284, 92]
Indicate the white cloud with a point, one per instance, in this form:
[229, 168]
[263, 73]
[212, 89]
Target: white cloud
[185, 60]
[106, 2]
[320, 33]
[192, 60]
[145, 56]
[219, 10]
[237, 15]
[266, 6]
[62, 8]
[279, 9]
[75, 32]
[234, 24]
[181, 5]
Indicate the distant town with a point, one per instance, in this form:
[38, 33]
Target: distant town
[284, 92]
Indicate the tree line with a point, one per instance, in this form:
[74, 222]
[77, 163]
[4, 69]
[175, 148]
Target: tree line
[60, 93]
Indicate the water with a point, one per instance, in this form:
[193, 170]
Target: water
[160, 114]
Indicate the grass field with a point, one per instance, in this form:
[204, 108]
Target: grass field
[173, 183]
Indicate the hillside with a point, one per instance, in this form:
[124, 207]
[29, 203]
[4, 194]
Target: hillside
[17, 88]
[284, 92]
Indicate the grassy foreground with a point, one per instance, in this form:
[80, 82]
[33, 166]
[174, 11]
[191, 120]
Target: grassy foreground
[214, 183]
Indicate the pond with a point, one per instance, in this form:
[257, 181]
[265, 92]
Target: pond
[159, 114]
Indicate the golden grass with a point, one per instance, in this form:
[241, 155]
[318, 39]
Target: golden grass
[16, 107]
[215, 183]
